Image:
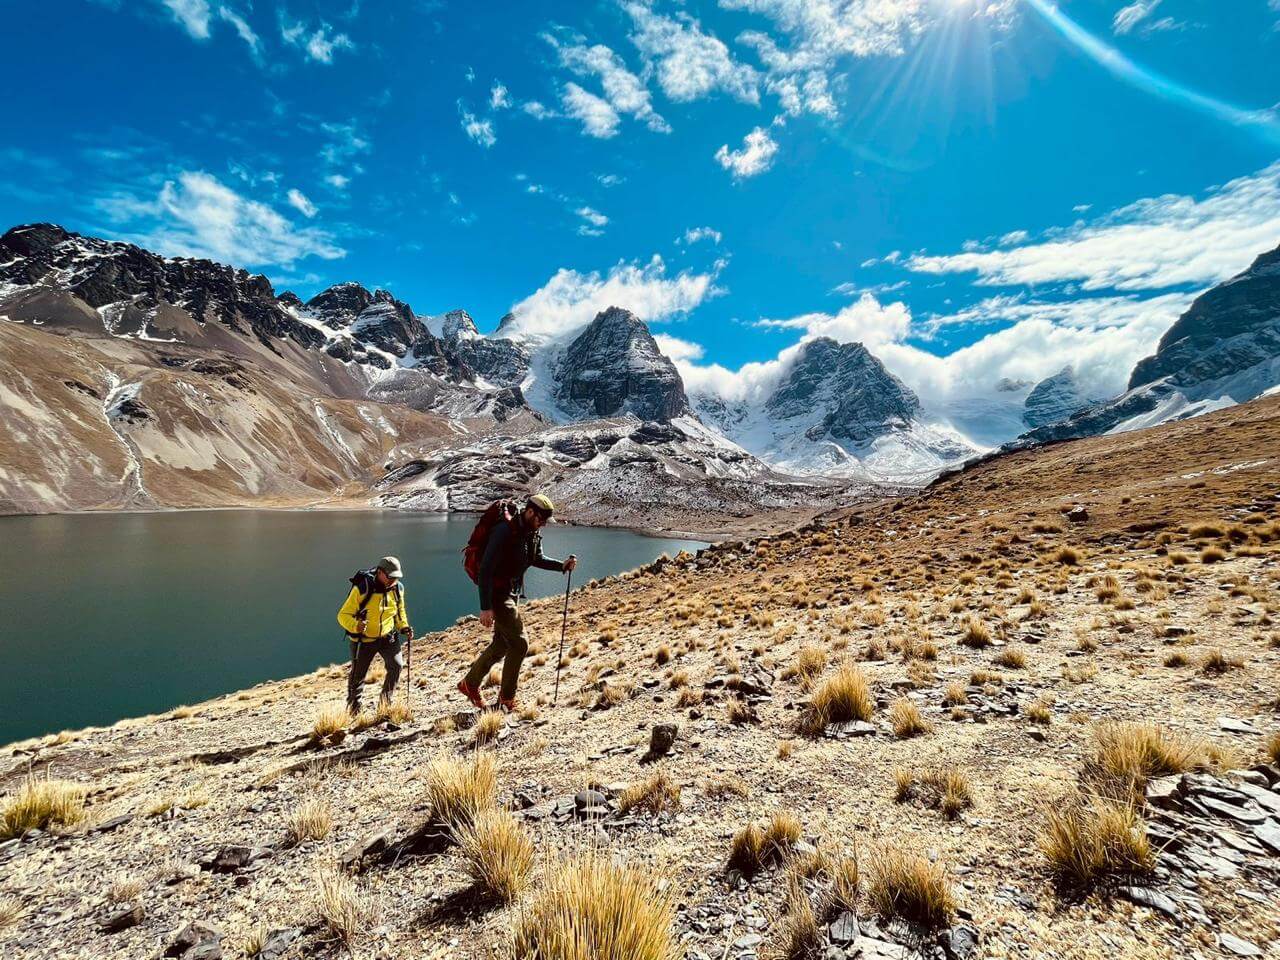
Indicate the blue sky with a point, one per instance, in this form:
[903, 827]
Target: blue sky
[976, 188]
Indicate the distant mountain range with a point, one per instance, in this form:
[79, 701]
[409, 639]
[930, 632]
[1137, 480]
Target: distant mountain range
[131, 379]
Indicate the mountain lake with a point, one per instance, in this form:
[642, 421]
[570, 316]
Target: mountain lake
[108, 616]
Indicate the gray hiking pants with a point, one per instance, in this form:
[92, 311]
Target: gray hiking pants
[508, 645]
[362, 654]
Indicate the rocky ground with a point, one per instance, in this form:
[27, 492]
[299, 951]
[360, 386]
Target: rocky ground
[1020, 606]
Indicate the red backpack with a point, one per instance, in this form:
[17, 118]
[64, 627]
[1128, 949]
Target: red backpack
[473, 552]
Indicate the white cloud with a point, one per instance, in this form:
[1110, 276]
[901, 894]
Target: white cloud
[690, 64]
[1014, 237]
[193, 15]
[596, 114]
[679, 351]
[594, 222]
[570, 299]
[499, 98]
[1127, 18]
[337, 181]
[298, 200]
[537, 109]
[755, 157]
[613, 180]
[481, 131]
[243, 29]
[624, 93]
[197, 215]
[1154, 243]
[864, 321]
[695, 234]
[319, 44]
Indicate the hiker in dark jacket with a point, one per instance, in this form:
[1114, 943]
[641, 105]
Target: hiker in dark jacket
[514, 546]
[373, 614]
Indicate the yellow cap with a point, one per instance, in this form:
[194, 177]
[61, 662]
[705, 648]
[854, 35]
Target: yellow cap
[542, 503]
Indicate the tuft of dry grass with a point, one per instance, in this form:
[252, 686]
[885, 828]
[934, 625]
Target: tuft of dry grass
[844, 696]
[125, 888]
[1216, 663]
[11, 911]
[976, 634]
[460, 789]
[906, 886]
[1040, 712]
[310, 820]
[1091, 839]
[810, 661]
[498, 851]
[939, 788]
[954, 694]
[799, 935]
[38, 804]
[726, 785]
[331, 720]
[340, 907]
[1176, 659]
[591, 908]
[754, 847]
[1272, 747]
[1212, 555]
[1015, 658]
[1068, 556]
[488, 726]
[907, 720]
[652, 795]
[1127, 755]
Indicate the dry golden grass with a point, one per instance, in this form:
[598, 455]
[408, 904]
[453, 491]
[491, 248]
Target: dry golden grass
[844, 696]
[499, 853]
[1271, 749]
[905, 885]
[11, 911]
[398, 712]
[662, 655]
[125, 888]
[907, 720]
[330, 720]
[1176, 659]
[1216, 663]
[976, 634]
[593, 909]
[652, 795]
[810, 661]
[1068, 556]
[679, 678]
[1127, 755]
[799, 935]
[488, 726]
[460, 789]
[1091, 839]
[41, 803]
[785, 749]
[726, 785]
[340, 907]
[1212, 555]
[310, 820]
[1015, 658]
[739, 711]
[754, 848]
[954, 694]
[939, 788]
[1040, 712]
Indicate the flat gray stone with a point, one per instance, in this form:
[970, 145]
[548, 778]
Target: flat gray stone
[1152, 899]
[844, 929]
[1232, 725]
[129, 915]
[1241, 948]
[1268, 834]
[1239, 814]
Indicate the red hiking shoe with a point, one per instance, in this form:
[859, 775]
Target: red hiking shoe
[508, 704]
[471, 693]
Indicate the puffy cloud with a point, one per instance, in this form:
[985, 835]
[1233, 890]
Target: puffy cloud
[755, 157]
[337, 181]
[537, 109]
[690, 64]
[1152, 244]
[624, 93]
[596, 114]
[677, 350]
[594, 222]
[298, 200]
[481, 131]
[499, 98]
[570, 299]
[864, 321]
[197, 215]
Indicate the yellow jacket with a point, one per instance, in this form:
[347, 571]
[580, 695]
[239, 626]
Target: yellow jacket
[385, 613]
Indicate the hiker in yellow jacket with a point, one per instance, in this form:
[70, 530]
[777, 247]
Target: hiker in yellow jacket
[372, 615]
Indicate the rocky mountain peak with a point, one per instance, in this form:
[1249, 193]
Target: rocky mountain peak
[339, 305]
[1055, 398]
[457, 325]
[856, 397]
[614, 366]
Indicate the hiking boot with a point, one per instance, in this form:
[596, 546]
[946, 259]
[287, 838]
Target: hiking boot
[471, 693]
[508, 704]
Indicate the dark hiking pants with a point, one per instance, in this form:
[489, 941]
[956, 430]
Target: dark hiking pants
[362, 654]
[508, 645]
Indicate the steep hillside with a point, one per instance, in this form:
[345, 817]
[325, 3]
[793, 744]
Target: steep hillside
[1015, 626]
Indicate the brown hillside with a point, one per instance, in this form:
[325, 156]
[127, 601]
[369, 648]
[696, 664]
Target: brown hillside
[1009, 655]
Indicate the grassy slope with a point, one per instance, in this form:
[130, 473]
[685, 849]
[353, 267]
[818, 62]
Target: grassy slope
[915, 569]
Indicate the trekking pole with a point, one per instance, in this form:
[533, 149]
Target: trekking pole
[564, 622]
[408, 673]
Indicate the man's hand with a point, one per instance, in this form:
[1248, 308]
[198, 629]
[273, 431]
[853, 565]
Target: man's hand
[486, 618]
[570, 563]
[407, 632]
[361, 621]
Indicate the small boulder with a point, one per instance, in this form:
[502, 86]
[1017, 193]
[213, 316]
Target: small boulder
[193, 934]
[1077, 514]
[661, 739]
[128, 915]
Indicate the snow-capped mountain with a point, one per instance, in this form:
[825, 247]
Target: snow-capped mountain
[1224, 350]
[838, 411]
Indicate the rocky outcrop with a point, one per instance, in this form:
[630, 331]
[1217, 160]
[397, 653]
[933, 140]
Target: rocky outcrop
[1055, 399]
[858, 399]
[615, 367]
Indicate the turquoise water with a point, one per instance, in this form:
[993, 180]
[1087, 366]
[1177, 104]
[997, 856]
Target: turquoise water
[115, 615]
